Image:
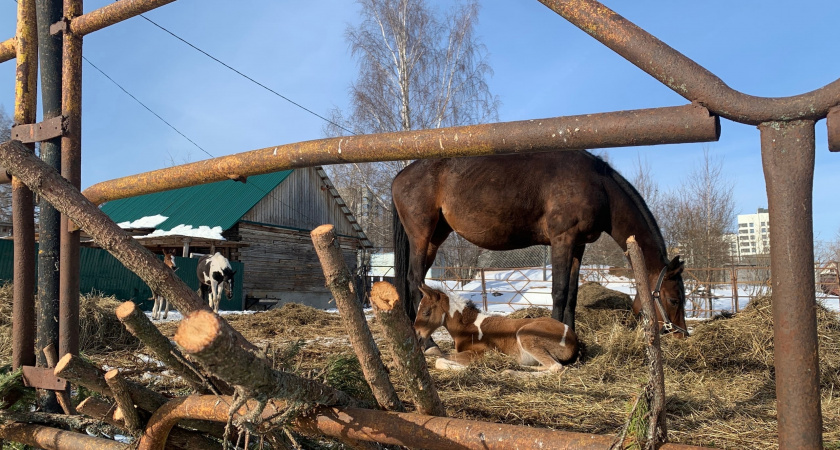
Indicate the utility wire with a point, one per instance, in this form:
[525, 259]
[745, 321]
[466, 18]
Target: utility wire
[147, 108]
[246, 76]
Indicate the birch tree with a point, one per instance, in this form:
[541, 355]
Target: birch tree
[419, 68]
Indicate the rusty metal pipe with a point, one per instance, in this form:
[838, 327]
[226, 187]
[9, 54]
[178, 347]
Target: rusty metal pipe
[406, 429]
[832, 122]
[686, 77]
[679, 124]
[48, 438]
[787, 153]
[111, 14]
[71, 169]
[23, 212]
[7, 49]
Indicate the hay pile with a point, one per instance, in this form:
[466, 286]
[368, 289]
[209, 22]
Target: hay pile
[101, 333]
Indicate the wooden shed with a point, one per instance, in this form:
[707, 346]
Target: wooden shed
[263, 223]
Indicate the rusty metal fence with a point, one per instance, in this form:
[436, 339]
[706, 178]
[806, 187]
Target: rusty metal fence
[708, 292]
[786, 127]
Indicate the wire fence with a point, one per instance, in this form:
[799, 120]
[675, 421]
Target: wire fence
[709, 292]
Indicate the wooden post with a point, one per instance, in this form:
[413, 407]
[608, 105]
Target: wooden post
[735, 306]
[408, 356]
[119, 389]
[657, 429]
[340, 283]
[138, 324]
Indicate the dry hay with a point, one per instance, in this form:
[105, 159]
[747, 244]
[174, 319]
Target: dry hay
[100, 331]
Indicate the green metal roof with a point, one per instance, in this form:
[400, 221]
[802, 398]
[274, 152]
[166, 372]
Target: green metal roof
[216, 204]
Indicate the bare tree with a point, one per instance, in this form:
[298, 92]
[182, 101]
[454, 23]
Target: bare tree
[5, 189]
[418, 69]
[702, 213]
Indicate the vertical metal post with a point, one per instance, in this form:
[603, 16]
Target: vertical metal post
[71, 169]
[787, 150]
[734, 277]
[49, 12]
[23, 219]
[483, 289]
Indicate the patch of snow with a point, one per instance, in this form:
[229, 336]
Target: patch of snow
[203, 231]
[144, 222]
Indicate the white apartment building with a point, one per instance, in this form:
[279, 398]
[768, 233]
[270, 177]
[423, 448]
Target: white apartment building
[754, 233]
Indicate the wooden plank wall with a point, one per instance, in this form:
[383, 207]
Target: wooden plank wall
[281, 260]
[299, 202]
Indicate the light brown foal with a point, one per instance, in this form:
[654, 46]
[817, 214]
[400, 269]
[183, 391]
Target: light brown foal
[161, 306]
[542, 342]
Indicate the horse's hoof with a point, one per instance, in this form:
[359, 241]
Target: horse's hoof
[446, 364]
[433, 351]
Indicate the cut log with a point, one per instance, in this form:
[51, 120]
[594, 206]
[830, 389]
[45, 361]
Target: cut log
[340, 283]
[63, 397]
[408, 356]
[657, 428]
[138, 324]
[210, 340]
[179, 438]
[119, 390]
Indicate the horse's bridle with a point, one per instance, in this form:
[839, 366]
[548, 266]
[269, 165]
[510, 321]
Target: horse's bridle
[667, 325]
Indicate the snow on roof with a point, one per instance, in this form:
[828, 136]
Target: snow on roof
[144, 222]
[202, 231]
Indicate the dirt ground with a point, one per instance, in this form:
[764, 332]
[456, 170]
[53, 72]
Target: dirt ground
[719, 382]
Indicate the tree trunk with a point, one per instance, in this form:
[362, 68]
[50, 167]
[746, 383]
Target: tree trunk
[657, 428]
[408, 356]
[341, 285]
[206, 337]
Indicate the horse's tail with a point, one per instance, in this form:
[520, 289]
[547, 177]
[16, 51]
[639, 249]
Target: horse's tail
[401, 251]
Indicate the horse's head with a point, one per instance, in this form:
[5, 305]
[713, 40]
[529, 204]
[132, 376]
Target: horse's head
[228, 283]
[169, 259]
[431, 314]
[668, 296]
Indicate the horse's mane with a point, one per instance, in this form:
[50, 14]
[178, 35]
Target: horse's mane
[458, 303]
[637, 200]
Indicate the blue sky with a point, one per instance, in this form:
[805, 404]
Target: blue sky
[544, 67]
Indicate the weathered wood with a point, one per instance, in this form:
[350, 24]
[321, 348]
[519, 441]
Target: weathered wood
[101, 410]
[74, 422]
[657, 428]
[408, 355]
[138, 324]
[63, 397]
[341, 285]
[120, 392]
[209, 339]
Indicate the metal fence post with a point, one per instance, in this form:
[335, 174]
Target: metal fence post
[483, 289]
[734, 278]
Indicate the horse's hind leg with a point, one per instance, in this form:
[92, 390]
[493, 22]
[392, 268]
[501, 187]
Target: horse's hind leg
[165, 308]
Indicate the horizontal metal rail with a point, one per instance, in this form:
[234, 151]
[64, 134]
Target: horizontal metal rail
[678, 124]
[95, 20]
[686, 77]
[405, 429]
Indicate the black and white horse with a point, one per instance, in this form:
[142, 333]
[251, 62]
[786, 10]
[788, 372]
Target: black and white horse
[214, 273]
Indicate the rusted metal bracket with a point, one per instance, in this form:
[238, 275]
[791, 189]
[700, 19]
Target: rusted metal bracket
[60, 27]
[41, 131]
[42, 378]
[832, 122]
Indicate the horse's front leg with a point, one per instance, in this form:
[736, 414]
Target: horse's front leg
[215, 295]
[574, 281]
[166, 308]
[561, 265]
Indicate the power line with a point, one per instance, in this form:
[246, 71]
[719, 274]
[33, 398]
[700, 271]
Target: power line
[147, 108]
[246, 76]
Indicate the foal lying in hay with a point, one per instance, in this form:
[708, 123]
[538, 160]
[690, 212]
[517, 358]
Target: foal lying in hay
[542, 342]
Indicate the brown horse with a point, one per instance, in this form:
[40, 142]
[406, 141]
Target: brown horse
[542, 342]
[161, 304]
[564, 199]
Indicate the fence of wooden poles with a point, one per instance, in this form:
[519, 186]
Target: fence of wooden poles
[238, 381]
